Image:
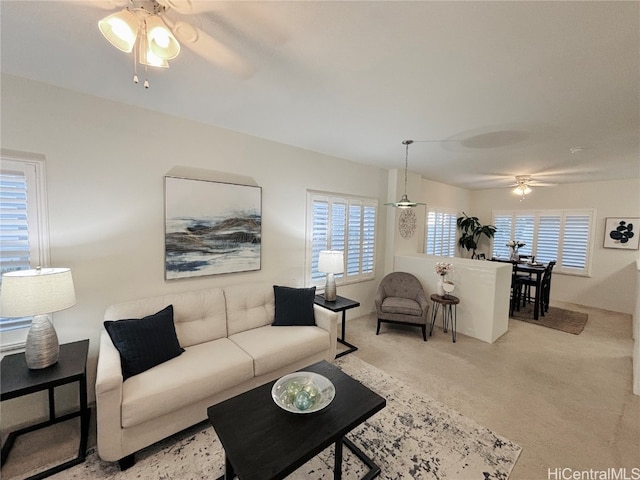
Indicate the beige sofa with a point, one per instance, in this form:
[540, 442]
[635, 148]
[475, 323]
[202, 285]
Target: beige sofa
[230, 347]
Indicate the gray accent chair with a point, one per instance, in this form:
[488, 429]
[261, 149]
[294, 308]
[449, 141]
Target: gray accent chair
[401, 299]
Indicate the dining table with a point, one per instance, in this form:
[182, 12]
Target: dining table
[536, 271]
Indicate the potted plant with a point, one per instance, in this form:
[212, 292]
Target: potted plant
[472, 230]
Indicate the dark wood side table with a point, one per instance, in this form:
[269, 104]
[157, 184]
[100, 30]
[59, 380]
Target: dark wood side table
[341, 304]
[16, 380]
[449, 312]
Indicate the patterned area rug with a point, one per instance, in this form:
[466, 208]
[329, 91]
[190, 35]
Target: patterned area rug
[557, 318]
[413, 437]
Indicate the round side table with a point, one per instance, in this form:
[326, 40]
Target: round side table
[449, 312]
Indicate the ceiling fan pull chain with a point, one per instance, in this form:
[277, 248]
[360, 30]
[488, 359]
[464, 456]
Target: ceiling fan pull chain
[146, 80]
[135, 66]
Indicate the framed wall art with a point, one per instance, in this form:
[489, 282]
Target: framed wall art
[621, 232]
[211, 227]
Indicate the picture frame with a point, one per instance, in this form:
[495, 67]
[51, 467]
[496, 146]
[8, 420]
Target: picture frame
[211, 227]
[621, 233]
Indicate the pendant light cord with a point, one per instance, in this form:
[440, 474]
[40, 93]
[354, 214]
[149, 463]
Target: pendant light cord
[406, 162]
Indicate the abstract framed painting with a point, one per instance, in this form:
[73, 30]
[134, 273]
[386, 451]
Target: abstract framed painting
[211, 227]
[620, 232]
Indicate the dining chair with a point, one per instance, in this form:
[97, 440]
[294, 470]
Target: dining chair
[546, 286]
[516, 290]
[526, 282]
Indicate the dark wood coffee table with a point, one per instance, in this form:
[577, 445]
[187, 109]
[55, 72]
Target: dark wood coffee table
[261, 441]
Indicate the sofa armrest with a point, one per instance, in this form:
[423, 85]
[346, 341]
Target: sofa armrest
[328, 320]
[109, 400]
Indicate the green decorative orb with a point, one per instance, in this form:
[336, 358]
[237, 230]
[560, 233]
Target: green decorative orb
[302, 401]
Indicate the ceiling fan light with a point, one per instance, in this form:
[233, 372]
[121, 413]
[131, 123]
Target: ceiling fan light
[522, 190]
[160, 39]
[147, 57]
[120, 29]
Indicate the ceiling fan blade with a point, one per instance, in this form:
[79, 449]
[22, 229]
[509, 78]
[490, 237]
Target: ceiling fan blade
[109, 4]
[191, 7]
[210, 49]
[542, 184]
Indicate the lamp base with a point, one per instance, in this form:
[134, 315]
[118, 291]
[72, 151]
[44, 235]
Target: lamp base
[42, 347]
[330, 288]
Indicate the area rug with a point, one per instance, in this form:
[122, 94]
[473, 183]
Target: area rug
[414, 437]
[557, 318]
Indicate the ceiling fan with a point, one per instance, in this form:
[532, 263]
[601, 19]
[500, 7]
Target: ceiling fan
[524, 183]
[154, 33]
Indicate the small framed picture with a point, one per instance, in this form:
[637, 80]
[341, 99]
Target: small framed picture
[621, 232]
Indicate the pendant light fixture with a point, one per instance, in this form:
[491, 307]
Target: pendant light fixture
[404, 202]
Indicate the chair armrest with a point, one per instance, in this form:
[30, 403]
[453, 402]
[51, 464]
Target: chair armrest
[109, 400]
[421, 298]
[379, 298]
[328, 320]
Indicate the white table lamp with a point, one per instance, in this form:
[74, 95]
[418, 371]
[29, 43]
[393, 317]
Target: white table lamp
[330, 262]
[38, 293]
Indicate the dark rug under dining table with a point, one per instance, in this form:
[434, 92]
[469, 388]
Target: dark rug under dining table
[567, 321]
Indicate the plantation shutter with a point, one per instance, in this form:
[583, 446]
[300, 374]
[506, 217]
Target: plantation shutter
[441, 233]
[355, 236]
[14, 234]
[343, 224]
[502, 236]
[368, 239]
[548, 238]
[575, 241]
[523, 232]
[319, 235]
[561, 235]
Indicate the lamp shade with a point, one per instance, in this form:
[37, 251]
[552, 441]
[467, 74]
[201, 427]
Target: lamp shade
[331, 261]
[121, 29]
[160, 39]
[36, 292]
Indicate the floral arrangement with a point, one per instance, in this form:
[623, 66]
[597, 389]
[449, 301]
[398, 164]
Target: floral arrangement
[443, 268]
[515, 244]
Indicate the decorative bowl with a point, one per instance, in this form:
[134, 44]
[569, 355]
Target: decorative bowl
[303, 392]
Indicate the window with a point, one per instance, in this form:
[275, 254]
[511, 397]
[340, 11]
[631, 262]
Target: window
[440, 238]
[562, 235]
[24, 239]
[340, 222]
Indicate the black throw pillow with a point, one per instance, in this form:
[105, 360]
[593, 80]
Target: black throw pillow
[146, 342]
[294, 306]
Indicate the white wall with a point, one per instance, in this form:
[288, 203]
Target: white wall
[612, 282]
[105, 166]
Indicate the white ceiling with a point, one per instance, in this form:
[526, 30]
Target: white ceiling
[497, 89]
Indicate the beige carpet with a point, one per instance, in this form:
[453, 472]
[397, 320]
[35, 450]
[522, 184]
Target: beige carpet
[414, 436]
[565, 399]
[568, 321]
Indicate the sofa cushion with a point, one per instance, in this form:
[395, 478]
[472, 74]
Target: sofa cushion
[405, 306]
[294, 306]
[146, 342]
[202, 371]
[199, 316]
[275, 347]
[249, 306]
